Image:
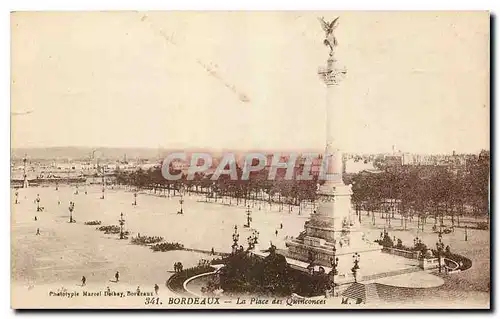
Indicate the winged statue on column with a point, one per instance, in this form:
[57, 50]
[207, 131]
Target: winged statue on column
[329, 27]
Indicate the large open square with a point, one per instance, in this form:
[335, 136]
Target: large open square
[64, 252]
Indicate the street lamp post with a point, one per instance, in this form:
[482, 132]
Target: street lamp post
[17, 197]
[253, 239]
[334, 261]
[388, 219]
[181, 201]
[440, 247]
[465, 232]
[103, 181]
[249, 218]
[135, 199]
[37, 202]
[71, 208]
[236, 237]
[122, 223]
[355, 268]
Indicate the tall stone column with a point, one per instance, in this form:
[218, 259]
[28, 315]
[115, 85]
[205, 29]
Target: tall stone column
[334, 208]
[332, 76]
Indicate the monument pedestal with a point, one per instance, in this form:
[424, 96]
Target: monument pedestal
[331, 226]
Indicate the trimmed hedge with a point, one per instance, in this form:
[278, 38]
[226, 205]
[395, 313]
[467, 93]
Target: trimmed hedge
[146, 240]
[93, 222]
[176, 282]
[167, 247]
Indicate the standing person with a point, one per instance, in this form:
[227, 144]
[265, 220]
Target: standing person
[276, 233]
[38, 231]
[281, 225]
[84, 281]
[117, 276]
[212, 252]
[157, 288]
[36, 218]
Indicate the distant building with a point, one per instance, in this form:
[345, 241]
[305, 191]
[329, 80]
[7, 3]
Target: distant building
[393, 160]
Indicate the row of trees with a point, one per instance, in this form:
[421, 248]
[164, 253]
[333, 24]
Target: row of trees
[256, 187]
[407, 191]
[425, 191]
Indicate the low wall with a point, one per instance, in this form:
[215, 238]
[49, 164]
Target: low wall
[430, 263]
[195, 293]
[399, 252]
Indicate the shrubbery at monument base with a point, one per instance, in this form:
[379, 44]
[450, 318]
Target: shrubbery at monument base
[245, 273]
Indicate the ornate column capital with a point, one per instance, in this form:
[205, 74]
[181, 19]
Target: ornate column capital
[331, 74]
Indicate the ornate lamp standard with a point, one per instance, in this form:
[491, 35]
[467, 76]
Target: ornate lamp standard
[236, 237]
[71, 208]
[250, 242]
[253, 239]
[25, 176]
[260, 199]
[103, 181]
[440, 247]
[415, 241]
[181, 201]
[355, 268]
[311, 261]
[122, 223]
[334, 261]
[37, 202]
[249, 218]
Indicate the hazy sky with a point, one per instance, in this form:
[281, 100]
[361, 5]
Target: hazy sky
[416, 80]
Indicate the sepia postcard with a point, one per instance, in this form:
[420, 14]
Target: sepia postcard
[250, 160]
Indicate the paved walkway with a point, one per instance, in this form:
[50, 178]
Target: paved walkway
[390, 273]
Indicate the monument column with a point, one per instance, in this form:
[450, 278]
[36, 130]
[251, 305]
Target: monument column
[332, 76]
[334, 208]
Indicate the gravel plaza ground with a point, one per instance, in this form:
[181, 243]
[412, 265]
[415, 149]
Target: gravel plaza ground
[65, 252]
